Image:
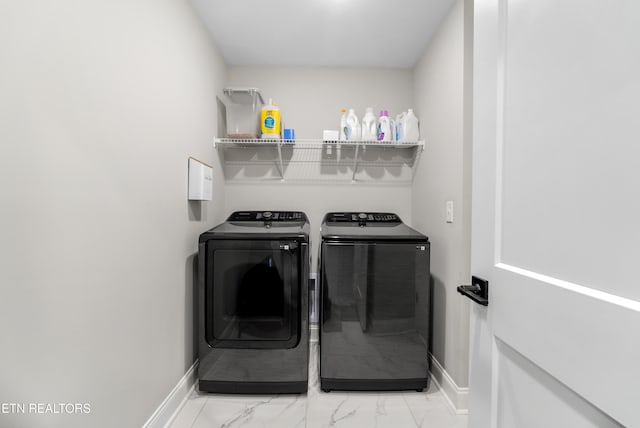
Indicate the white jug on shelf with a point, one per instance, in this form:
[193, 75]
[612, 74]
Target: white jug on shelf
[384, 126]
[352, 131]
[369, 126]
[411, 127]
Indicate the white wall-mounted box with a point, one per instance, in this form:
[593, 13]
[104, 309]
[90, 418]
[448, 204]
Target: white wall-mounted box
[200, 180]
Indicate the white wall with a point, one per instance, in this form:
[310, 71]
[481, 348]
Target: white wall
[310, 99]
[102, 103]
[442, 176]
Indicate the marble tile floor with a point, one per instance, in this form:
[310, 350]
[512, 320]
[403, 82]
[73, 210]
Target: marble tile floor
[317, 409]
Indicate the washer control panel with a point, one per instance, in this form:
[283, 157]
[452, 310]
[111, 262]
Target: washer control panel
[362, 217]
[267, 216]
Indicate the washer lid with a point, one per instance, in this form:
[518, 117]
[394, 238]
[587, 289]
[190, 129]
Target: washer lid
[349, 226]
[359, 218]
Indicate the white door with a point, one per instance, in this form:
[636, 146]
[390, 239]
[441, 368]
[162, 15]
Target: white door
[556, 214]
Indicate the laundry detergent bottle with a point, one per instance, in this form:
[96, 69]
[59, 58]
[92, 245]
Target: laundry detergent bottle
[411, 127]
[270, 121]
[343, 125]
[369, 126]
[384, 126]
[353, 131]
[400, 126]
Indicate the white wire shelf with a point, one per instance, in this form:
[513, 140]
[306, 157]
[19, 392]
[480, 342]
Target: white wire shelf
[312, 143]
[319, 160]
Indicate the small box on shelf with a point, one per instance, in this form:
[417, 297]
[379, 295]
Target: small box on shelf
[330, 135]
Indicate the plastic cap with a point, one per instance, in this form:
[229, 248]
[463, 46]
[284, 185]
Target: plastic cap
[384, 113]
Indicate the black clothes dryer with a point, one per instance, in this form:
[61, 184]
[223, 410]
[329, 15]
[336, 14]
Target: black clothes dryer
[374, 316]
[254, 304]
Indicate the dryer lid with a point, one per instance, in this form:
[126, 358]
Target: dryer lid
[273, 216]
[270, 225]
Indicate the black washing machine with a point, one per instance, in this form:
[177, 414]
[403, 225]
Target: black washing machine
[254, 305]
[375, 292]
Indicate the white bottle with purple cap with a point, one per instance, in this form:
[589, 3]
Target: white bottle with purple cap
[384, 126]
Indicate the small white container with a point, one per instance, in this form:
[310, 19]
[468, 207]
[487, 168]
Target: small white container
[329, 135]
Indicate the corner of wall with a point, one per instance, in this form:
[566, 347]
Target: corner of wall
[443, 175]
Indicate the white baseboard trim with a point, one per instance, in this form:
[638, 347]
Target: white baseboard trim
[457, 397]
[169, 408]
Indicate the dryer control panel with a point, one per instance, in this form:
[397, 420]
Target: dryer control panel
[363, 217]
[271, 216]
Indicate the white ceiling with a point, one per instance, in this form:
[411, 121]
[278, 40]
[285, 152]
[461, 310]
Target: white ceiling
[339, 33]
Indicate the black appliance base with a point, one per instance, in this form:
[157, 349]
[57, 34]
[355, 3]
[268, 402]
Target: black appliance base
[226, 387]
[419, 384]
